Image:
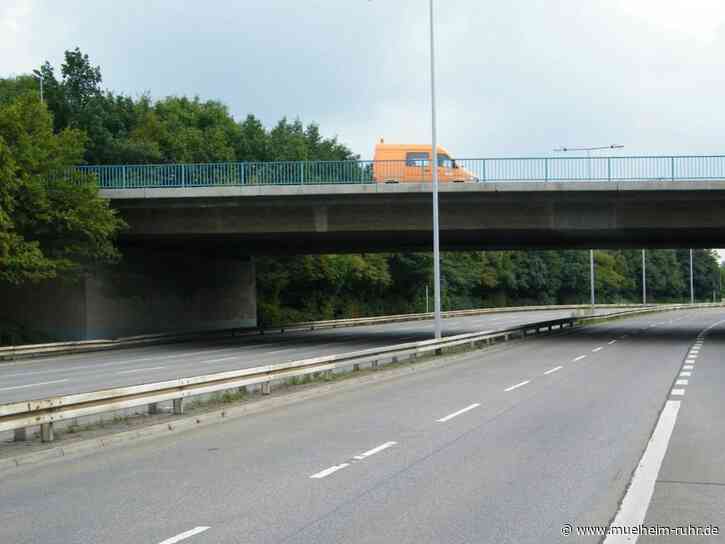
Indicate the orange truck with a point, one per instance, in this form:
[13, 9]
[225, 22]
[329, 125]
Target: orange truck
[410, 163]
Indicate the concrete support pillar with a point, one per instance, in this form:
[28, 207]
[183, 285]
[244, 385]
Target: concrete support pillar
[178, 406]
[46, 432]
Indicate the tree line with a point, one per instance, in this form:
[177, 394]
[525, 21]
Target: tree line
[64, 229]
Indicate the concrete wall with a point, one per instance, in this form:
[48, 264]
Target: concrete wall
[149, 292]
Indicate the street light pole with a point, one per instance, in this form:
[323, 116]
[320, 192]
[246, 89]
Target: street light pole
[644, 276]
[589, 176]
[434, 169]
[692, 283]
[591, 274]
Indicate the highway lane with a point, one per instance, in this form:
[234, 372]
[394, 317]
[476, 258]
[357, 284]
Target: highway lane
[500, 446]
[92, 371]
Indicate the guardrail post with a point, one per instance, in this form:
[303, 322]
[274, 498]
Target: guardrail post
[153, 408]
[46, 432]
[178, 406]
[266, 388]
[20, 435]
[355, 367]
[374, 364]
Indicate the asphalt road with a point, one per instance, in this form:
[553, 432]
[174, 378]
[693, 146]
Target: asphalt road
[510, 445]
[67, 374]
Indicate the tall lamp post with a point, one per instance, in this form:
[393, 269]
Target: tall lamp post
[434, 169]
[436, 231]
[644, 277]
[589, 175]
[692, 282]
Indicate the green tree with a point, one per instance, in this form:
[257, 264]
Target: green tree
[51, 224]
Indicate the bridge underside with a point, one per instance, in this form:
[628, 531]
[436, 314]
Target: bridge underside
[367, 218]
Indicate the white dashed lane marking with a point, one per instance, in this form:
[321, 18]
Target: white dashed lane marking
[373, 451]
[597, 349]
[325, 473]
[517, 386]
[678, 392]
[552, 370]
[185, 535]
[579, 358]
[458, 413]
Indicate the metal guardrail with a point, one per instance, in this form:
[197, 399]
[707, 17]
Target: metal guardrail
[560, 169]
[83, 346]
[19, 416]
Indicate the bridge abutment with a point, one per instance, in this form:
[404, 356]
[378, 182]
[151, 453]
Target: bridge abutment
[149, 292]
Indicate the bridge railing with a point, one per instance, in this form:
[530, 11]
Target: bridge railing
[555, 169]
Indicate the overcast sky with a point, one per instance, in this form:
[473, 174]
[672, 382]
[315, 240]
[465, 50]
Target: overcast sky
[514, 78]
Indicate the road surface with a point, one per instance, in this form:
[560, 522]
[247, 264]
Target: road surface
[511, 445]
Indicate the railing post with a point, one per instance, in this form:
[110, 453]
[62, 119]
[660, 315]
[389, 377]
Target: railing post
[483, 168]
[609, 168]
[266, 388]
[183, 181]
[125, 186]
[672, 161]
[153, 408]
[179, 406]
[302, 172]
[46, 432]
[546, 169]
[20, 435]
[241, 173]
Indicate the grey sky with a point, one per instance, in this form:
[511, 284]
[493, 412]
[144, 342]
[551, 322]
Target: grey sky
[515, 78]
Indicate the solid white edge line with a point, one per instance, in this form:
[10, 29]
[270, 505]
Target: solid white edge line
[458, 413]
[517, 386]
[552, 370]
[678, 392]
[636, 501]
[185, 535]
[375, 450]
[328, 471]
[579, 358]
[31, 385]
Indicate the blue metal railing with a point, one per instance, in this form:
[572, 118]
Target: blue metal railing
[555, 169]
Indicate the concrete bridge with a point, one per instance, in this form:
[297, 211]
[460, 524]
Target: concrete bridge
[194, 229]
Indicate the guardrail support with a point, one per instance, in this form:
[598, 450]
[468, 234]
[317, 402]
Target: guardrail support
[374, 364]
[46, 432]
[266, 388]
[355, 367]
[153, 408]
[178, 406]
[20, 435]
